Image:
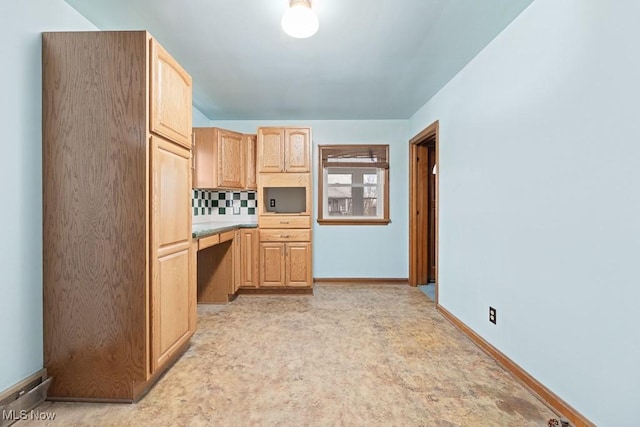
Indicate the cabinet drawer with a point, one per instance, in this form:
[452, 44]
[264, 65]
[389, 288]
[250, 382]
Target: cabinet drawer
[227, 235]
[285, 235]
[208, 241]
[285, 221]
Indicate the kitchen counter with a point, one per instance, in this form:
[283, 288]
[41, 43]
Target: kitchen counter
[205, 229]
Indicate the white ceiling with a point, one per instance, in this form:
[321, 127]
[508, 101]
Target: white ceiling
[371, 59]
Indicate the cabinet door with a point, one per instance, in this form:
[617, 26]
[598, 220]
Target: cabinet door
[237, 262]
[271, 150]
[250, 162]
[272, 265]
[230, 157]
[297, 150]
[204, 157]
[249, 253]
[170, 105]
[298, 264]
[172, 296]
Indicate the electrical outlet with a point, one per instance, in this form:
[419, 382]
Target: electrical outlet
[272, 203]
[492, 315]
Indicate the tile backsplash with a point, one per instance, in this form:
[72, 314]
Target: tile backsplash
[223, 205]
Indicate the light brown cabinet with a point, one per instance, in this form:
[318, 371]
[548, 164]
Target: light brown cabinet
[293, 268]
[249, 258]
[285, 264]
[297, 150]
[227, 261]
[237, 262]
[173, 297]
[170, 102]
[251, 182]
[272, 264]
[284, 209]
[298, 264]
[118, 270]
[216, 265]
[219, 159]
[284, 150]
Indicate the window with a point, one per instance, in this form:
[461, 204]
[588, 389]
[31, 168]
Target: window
[353, 184]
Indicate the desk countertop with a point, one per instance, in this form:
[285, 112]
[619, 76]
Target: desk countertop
[205, 229]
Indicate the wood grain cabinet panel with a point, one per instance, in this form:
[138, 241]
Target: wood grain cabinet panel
[297, 150]
[298, 264]
[171, 106]
[251, 182]
[284, 150]
[285, 264]
[118, 270]
[170, 289]
[170, 294]
[249, 264]
[216, 270]
[285, 221]
[272, 264]
[237, 261]
[285, 235]
[271, 150]
[208, 241]
[171, 193]
[219, 159]
[284, 161]
[231, 162]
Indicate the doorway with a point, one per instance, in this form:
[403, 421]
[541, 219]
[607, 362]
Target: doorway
[423, 208]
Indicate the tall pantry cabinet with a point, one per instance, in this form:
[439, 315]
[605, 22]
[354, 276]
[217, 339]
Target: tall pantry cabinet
[284, 209]
[118, 273]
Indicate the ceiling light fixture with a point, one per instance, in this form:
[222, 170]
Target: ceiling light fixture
[300, 21]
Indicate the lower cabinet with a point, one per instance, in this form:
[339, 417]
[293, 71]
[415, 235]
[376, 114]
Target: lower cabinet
[226, 262]
[285, 264]
[237, 253]
[217, 262]
[252, 258]
[298, 264]
[249, 256]
[171, 306]
[272, 264]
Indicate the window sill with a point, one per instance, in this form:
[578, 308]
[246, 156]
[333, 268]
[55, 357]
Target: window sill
[344, 221]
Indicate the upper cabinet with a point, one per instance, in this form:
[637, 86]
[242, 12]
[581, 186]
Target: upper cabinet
[219, 159]
[284, 150]
[170, 97]
[297, 150]
[250, 163]
[271, 150]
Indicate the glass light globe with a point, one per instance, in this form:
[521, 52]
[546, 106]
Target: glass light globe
[300, 21]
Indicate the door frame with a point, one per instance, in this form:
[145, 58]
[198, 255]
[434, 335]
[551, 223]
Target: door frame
[418, 146]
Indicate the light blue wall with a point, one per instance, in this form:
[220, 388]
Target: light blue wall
[357, 251]
[540, 199]
[199, 119]
[21, 23]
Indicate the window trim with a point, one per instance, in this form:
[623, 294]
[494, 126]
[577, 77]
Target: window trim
[321, 185]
